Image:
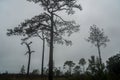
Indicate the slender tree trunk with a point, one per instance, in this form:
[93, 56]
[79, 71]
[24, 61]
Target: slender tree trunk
[83, 69]
[42, 66]
[99, 55]
[51, 51]
[28, 68]
[70, 70]
[29, 58]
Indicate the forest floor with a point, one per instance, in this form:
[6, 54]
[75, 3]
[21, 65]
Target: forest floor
[24, 77]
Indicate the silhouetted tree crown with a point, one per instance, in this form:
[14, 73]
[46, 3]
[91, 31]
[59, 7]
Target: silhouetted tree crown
[22, 71]
[33, 27]
[97, 36]
[94, 67]
[70, 64]
[35, 72]
[82, 62]
[77, 70]
[113, 64]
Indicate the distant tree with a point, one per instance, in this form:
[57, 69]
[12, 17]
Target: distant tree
[36, 72]
[113, 64]
[70, 64]
[6, 72]
[98, 38]
[45, 71]
[67, 73]
[22, 71]
[29, 54]
[95, 69]
[77, 70]
[56, 71]
[92, 65]
[82, 62]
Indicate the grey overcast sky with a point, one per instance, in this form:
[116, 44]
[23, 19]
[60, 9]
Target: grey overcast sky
[104, 13]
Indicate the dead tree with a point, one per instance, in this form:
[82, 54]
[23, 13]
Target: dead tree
[29, 52]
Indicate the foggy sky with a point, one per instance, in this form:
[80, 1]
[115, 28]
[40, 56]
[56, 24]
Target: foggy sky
[104, 13]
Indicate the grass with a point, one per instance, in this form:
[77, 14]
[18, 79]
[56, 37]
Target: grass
[24, 77]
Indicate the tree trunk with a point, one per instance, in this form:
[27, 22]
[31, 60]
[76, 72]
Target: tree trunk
[100, 60]
[51, 51]
[29, 58]
[83, 69]
[70, 70]
[42, 66]
[28, 68]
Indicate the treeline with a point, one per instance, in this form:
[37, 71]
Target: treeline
[90, 70]
[83, 70]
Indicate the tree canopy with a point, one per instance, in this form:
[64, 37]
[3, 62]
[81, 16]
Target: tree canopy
[97, 36]
[113, 64]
